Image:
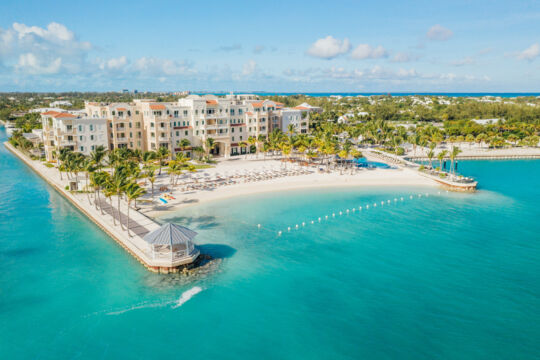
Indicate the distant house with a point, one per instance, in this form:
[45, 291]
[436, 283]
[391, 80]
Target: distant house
[60, 103]
[308, 108]
[486, 121]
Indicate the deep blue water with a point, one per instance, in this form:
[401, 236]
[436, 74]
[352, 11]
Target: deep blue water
[450, 276]
[450, 94]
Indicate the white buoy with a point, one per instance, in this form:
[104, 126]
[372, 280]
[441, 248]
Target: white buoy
[297, 226]
[367, 206]
[340, 213]
[313, 222]
[360, 208]
[395, 199]
[410, 197]
[375, 205]
[382, 203]
[419, 195]
[439, 193]
[303, 224]
[319, 219]
[401, 199]
[279, 233]
[388, 201]
[353, 209]
[326, 217]
[333, 215]
[427, 194]
[347, 211]
[259, 226]
[289, 228]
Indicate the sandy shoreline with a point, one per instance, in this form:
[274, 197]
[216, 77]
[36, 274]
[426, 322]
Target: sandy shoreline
[362, 178]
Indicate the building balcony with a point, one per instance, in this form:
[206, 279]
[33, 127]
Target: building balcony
[121, 139]
[67, 143]
[163, 139]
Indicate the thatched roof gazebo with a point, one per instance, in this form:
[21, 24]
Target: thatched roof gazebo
[173, 242]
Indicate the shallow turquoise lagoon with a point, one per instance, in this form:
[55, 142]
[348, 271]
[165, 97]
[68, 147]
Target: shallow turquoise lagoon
[450, 276]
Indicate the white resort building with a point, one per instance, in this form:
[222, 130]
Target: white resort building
[179, 126]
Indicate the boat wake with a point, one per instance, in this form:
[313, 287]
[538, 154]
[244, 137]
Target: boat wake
[186, 295]
[137, 307]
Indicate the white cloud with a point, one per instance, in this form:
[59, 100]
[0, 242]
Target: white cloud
[366, 51]
[249, 68]
[329, 47]
[465, 61]
[151, 66]
[31, 64]
[401, 57]
[529, 53]
[439, 33]
[114, 63]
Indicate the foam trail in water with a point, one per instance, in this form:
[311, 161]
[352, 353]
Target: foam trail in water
[137, 307]
[186, 295]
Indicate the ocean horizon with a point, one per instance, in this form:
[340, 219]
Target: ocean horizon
[326, 94]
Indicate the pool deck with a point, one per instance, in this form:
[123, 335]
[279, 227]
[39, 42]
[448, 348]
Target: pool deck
[139, 224]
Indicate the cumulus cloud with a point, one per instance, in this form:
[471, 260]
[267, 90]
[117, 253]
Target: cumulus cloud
[366, 51]
[151, 66]
[31, 64]
[401, 57]
[249, 68]
[329, 47]
[529, 53]
[114, 63]
[38, 50]
[439, 33]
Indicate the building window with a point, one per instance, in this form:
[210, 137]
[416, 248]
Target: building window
[82, 148]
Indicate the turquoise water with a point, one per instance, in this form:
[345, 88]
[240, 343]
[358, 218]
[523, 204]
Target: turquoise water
[454, 276]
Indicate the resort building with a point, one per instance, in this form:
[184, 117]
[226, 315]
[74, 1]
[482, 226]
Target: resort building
[179, 126]
[65, 130]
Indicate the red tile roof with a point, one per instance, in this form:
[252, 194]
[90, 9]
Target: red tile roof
[64, 115]
[50, 113]
[301, 108]
[157, 107]
[211, 102]
[121, 109]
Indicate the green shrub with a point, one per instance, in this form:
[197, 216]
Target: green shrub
[400, 151]
[67, 187]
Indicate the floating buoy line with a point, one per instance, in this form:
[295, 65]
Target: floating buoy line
[347, 212]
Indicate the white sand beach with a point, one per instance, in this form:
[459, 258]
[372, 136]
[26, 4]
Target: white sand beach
[314, 179]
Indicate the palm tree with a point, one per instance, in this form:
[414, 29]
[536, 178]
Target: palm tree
[152, 178]
[441, 155]
[133, 192]
[162, 154]
[99, 180]
[252, 141]
[209, 143]
[430, 156]
[97, 156]
[453, 155]
[118, 182]
[183, 145]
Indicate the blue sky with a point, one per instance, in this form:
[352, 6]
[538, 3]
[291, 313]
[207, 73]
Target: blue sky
[282, 46]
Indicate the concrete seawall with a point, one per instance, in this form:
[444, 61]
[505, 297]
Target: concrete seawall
[134, 245]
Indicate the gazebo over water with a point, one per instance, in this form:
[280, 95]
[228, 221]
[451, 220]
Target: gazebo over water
[174, 243]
